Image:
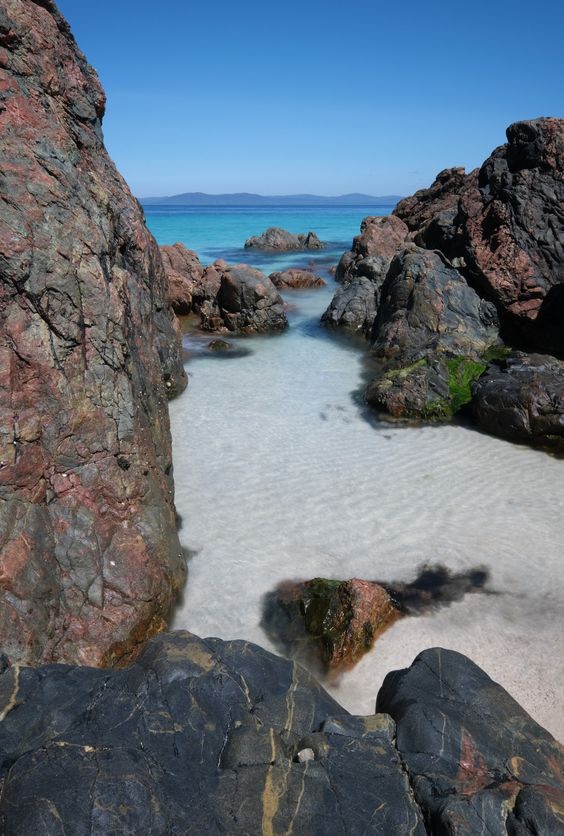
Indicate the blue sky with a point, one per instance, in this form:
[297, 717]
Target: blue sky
[325, 97]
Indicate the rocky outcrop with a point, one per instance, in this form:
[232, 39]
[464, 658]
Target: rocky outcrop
[185, 277]
[362, 271]
[504, 227]
[275, 238]
[90, 556]
[295, 279]
[477, 762]
[522, 399]
[205, 736]
[478, 251]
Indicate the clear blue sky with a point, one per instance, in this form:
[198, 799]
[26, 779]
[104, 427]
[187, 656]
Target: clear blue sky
[305, 96]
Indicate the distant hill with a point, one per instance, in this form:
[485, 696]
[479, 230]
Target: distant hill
[248, 199]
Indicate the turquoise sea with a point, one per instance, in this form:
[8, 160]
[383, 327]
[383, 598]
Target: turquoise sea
[220, 232]
[278, 475]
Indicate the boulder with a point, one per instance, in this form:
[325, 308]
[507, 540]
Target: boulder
[246, 302]
[478, 763]
[214, 737]
[184, 273]
[432, 334]
[294, 279]
[362, 271]
[333, 621]
[426, 307]
[522, 399]
[275, 238]
[91, 562]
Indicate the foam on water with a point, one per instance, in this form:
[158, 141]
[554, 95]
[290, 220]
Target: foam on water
[278, 475]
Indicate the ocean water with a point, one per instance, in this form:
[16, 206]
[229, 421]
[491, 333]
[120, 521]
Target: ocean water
[279, 475]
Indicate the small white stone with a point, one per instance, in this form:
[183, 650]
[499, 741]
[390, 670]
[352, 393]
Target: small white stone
[112, 563]
[306, 755]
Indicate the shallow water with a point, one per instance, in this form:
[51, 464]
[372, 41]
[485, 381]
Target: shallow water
[279, 475]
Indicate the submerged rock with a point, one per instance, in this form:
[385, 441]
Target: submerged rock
[522, 399]
[206, 736]
[296, 279]
[342, 619]
[91, 561]
[275, 238]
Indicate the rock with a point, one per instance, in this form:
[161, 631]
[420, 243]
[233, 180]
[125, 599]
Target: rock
[522, 399]
[184, 273]
[246, 303]
[442, 197]
[354, 305]
[504, 228]
[91, 561]
[477, 762]
[206, 736]
[275, 238]
[339, 620]
[296, 279]
[426, 307]
[362, 272]
[198, 736]
[432, 333]
[220, 345]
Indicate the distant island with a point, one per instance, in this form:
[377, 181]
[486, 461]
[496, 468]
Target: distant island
[248, 199]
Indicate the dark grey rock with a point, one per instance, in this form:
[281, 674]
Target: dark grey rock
[522, 399]
[478, 763]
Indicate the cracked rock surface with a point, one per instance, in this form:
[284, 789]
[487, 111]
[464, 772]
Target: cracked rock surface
[205, 736]
[90, 559]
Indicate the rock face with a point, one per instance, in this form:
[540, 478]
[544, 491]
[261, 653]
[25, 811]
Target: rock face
[275, 238]
[295, 279]
[522, 399]
[362, 272]
[477, 762]
[205, 736]
[90, 556]
[185, 274]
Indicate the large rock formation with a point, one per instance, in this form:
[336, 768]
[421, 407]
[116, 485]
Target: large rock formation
[504, 226]
[275, 238]
[204, 736]
[90, 559]
[498, 234]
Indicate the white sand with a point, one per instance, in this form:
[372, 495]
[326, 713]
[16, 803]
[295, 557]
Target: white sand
[279, 476]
